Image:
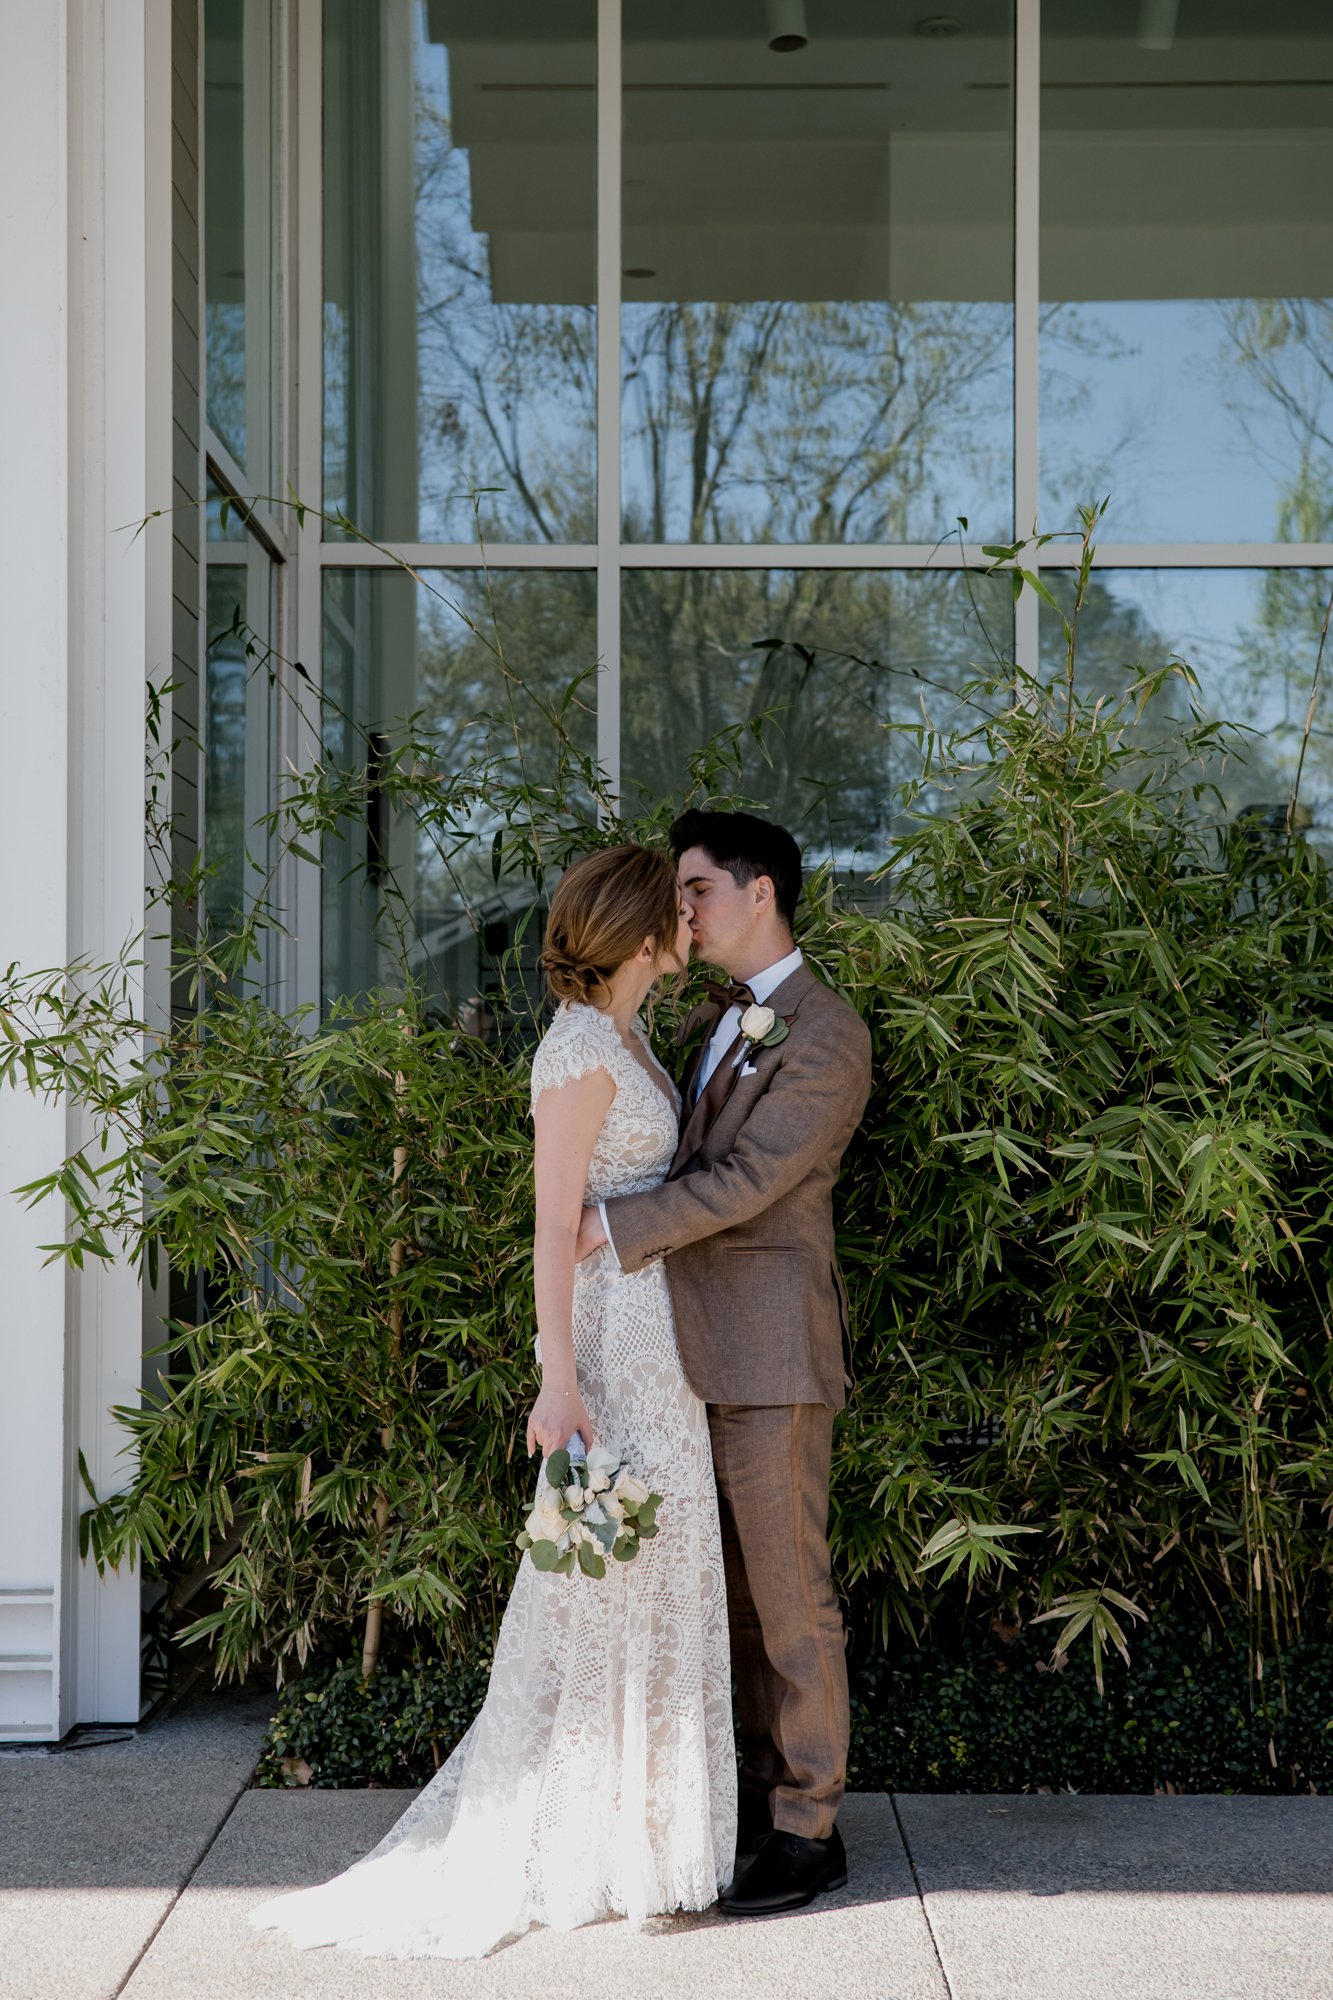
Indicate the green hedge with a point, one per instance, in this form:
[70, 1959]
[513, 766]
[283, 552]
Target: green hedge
[1087, 1224]
[986, 1715]
[983, 1713]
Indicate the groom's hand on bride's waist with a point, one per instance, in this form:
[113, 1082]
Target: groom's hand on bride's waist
[592, 1234]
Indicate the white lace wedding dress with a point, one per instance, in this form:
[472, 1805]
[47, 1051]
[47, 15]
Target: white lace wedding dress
[599, 1777]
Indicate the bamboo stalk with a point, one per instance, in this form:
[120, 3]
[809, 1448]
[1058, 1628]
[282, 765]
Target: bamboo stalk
[374, 1633]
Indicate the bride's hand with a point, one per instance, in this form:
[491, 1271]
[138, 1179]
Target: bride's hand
[554, 1418]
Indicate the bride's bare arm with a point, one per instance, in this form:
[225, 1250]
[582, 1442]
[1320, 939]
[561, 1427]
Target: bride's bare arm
[567, 1121]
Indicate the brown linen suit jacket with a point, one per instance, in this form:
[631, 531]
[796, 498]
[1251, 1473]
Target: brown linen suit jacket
[745, 1216]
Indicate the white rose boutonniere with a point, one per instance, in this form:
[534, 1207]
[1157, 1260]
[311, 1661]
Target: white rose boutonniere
[761, 1027]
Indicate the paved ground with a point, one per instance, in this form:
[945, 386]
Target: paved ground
[128, 1869]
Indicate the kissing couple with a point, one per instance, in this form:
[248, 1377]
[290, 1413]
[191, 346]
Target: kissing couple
[690, 1319]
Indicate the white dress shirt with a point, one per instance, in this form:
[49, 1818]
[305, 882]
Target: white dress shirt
[762, 985]
[724, 1034]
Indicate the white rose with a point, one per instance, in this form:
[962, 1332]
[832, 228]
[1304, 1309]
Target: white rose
[612, 1509]
[631, 1491]
[756, 1022]
[598, 1482]
[545, 1523]
[601, 1461]
[574, 1495]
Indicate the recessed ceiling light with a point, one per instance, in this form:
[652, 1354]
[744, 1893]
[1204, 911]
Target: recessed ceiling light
[1157, 24]
[638, 271]
[939, 27]
[787, 30]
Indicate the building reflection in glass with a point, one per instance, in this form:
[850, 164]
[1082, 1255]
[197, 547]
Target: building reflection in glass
[818, 275]
[1186, 261]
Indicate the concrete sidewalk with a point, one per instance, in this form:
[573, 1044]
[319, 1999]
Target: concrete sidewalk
[128, 1869]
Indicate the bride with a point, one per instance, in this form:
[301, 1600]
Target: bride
[599, 1777]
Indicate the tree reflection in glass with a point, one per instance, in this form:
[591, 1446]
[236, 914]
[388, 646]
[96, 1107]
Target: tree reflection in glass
[1251, 638]
[478, 685]
[459, 208]
[856, 653]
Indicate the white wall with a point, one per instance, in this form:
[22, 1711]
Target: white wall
[82, 117]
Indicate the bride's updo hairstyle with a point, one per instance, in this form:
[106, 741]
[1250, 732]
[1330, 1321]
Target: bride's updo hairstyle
[603, 908]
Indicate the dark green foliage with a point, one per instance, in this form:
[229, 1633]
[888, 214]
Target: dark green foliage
[978, 1711]
[982, 1713]
[1087, 1226]
[394, 1728]
[1088, 1222]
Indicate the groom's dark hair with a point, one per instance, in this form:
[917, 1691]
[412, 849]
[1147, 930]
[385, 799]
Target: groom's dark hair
[747, 847]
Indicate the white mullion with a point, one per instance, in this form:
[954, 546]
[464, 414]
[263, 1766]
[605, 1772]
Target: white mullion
[817, 555]
[803, 555]
[227, 474]
[459, 555]
[655, 555]
[1027, 300]
[1193, 555]
[298, 741]
[608, 389]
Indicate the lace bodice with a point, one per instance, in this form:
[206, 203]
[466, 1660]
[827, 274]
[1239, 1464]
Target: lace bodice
[638, 1137]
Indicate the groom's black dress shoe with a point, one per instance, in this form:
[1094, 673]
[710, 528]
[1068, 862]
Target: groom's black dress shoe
[788, 1871]
[752, 1828]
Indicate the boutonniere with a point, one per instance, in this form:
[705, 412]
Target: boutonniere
[762, 1029]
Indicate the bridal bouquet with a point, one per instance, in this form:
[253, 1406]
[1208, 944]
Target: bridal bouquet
[589, 1506]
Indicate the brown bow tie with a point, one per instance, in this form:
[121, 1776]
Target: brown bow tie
[737, 994]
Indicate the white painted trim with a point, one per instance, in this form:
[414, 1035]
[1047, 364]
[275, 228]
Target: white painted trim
[227, 474]
[607, 555]
[118, 469]
[1193, 555]
[802, 555]
[822, 555]
[296, 738]
[1027, 277]
[35, 159]
[1027, 303]
[460, 555]
[657, 555]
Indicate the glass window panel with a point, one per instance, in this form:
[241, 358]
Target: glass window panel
[1252, 639]
[392, 649]
[817, 247]
[237, 718]
[881, 648]
[459, 267]
[1186, 252]
[238, 230]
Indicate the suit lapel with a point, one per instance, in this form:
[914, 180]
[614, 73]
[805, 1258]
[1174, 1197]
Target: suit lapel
[697, 1031]
[711, 1099]
[691, 1072]
[785, 1000]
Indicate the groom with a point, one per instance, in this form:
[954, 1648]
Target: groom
[774, 1090]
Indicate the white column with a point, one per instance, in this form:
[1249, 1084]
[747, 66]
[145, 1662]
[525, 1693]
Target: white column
[85, 385]
[34, 537]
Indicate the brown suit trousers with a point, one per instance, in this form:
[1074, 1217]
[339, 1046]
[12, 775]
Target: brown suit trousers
[745, 1222]
[772, 1467]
